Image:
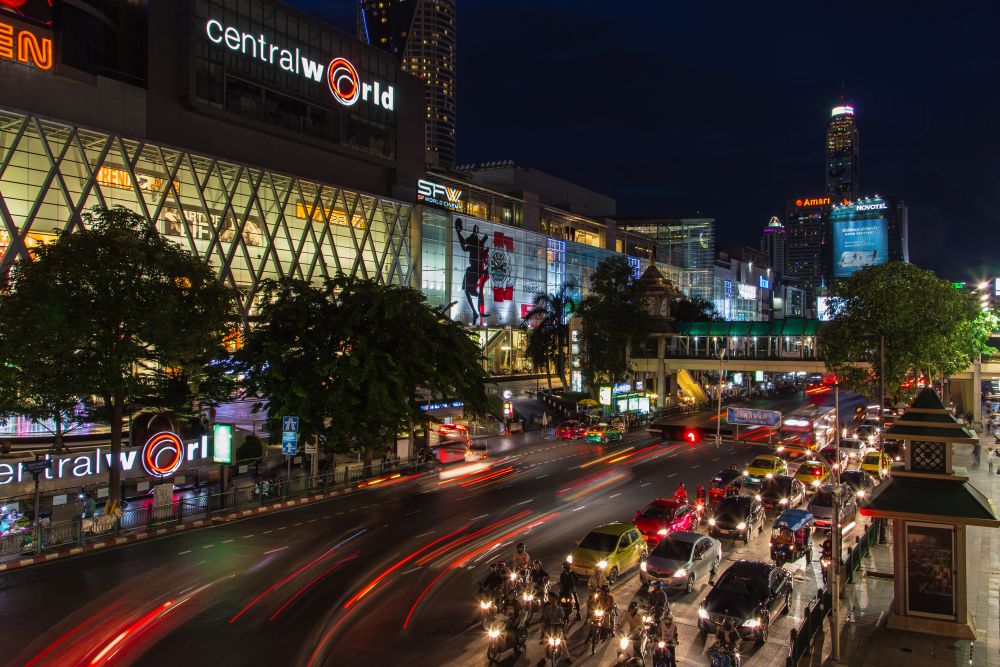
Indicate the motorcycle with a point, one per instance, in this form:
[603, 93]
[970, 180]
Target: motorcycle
[632, 650]
[499, 639]
[824, 565]
[566, 604]
[487, 612]
[663, 654]
[600, 628]
[531, 602]
[724, 656]
[555, 646]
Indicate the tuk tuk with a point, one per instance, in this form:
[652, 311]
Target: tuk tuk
[724, 479]
[791, 536]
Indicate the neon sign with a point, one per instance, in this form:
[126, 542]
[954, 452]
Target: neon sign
[843, 111]
[812, 201]
[436, 194]
[341, 76]
[161, 456]
[878, 206]
[23, 46]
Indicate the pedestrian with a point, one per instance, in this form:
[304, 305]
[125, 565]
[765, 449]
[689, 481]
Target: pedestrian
[989, 458]
[976, 450]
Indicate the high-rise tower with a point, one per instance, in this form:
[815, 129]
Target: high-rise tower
[772, 244]
[421, 33]
[842, 155]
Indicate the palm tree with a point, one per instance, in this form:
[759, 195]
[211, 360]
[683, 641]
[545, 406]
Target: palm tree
[548, 339]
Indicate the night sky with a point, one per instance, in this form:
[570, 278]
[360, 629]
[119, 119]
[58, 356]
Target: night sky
[721, 108]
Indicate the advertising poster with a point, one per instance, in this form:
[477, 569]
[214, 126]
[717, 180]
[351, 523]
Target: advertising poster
[930, 568]
[859, 243]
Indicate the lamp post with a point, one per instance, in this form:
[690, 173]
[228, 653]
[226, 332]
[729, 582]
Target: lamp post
[718, 411]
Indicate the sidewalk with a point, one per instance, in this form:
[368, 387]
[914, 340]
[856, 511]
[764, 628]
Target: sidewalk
[865, 640]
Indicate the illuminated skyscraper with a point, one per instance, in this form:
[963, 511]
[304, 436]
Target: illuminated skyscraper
[842, 155]
[421, 33]
[772, 244]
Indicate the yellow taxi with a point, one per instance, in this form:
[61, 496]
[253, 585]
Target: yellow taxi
[765, 467]
[877, 465]
[813, 473]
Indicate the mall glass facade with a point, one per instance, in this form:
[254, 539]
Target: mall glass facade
[249, 223]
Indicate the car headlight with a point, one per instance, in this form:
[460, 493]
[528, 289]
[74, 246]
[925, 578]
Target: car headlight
[783, 501]
[493, 633]
[769, 475]
[752, 623]
[741, 525]
[602, 564]
[711, 522]
[757, 496]
[746, 473]
[569, 559]
[815, 482]
[702, 614]
[681, 572]
[781, 448]
[642, 566]
[661, 531]
[623, 643]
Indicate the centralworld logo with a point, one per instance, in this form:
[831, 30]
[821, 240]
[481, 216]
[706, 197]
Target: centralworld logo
[163, 454]
[343, 80]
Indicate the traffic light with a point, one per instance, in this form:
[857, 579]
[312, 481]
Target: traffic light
[692, 436]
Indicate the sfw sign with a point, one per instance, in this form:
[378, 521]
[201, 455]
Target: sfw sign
[435, 194]
[162, 456]
[341, 76]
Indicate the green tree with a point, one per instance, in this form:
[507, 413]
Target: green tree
[613, 320]
[927, 327]
[696, 309]
[547, 326]
[136, 314]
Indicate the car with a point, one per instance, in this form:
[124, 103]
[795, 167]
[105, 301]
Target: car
[893, 448]
[837, 458]
[858, 481]
[663, 516]
[722, 480]
[751, 593]
[855, 448]
[453, 432]
[681, 559]
[782, 492]
[821, 506]
[739, 516]
[571, 429]
[877, 464]
[792, 453]
[766, 467]
[813, 473]
[603, 433]
[616, 546]
[867, 431]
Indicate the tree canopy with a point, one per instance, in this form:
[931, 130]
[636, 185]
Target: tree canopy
[695, 309]
[613, 319]
[927, 325]
[351, 357]
[547, 324]
[133, 319]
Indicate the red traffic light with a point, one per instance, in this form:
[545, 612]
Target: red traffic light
[692, 436]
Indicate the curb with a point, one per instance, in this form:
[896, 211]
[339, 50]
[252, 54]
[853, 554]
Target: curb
[159, 532]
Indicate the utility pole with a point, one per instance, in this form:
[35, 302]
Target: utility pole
[881, 394]
[835, 548]
[718, 410]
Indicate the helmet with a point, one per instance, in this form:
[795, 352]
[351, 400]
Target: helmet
[502, 565]
[633, 606]
[520, 546]
[657, 585]
[567, 566]
[668, 615]
[829, 533]
[605, 588]
[537, 564]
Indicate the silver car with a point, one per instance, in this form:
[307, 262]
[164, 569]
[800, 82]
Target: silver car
[680, 559]
[821, 506]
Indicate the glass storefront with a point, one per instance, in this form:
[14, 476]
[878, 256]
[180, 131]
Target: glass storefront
[250, 223]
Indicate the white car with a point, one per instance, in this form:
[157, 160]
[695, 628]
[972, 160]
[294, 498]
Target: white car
[855, 448]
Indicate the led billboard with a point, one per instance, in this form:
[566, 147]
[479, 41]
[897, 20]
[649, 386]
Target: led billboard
[858, 243]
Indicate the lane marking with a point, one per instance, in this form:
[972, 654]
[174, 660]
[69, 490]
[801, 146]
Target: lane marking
[226, 541]
[208, 546]
[579, 508]
[673, 474]
[645, 484]
[247, 537]
[413, 512]
[614, 495]
[429, 532]
[476, 518]
[181, 553]
[275, 550]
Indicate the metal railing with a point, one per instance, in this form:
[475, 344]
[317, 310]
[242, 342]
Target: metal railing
[801, 640]
[862, 547]
[80, 531]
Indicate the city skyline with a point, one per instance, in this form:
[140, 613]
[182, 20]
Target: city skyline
[738, 128]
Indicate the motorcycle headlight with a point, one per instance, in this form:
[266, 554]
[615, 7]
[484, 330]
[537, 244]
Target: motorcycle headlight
[783, 501]
[757, 496]
[569, 559]
[746, 473]
[554, 641]
[599, 613]
[752, 623]
[647, 619]
[861, 494]
[661, 532]
[493, 633]
[623, 643]
[681, 572]
[661, 645]
[528, 597]
[513, 576]
[702, 614]
[642, 566]
[602, 564]
[815, 482]
[485, 604]
[742, 525]
[711, 522]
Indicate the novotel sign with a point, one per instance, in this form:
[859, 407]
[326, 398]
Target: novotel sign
[877, 206]
[162, 456]
[341, 76]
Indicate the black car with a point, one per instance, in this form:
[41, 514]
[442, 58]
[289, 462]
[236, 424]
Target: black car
[893, 448]
[782, 492]
[858, 482]
[752, 593]
[738, 516]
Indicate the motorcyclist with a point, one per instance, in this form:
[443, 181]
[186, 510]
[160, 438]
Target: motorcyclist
[494, 581]
[521, 560]
[567, 586]
[539, 577]
[699, 495]
[826, 549]
[605, 600]
[632, 624]
[681, 494]
[729, 637]
[658, 601]
[667, 632]
[594, 584]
